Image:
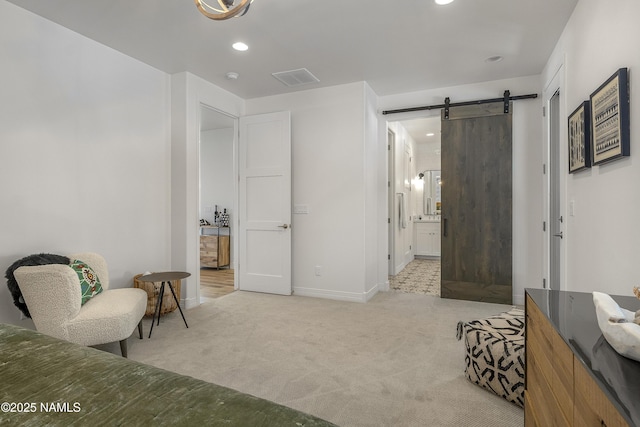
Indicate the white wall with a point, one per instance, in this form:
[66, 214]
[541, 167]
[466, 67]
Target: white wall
[216, 172]
[66, 94]
[216, 175]
[329, 149]
[401, 181]
[84, 140]
[427, 159]
[375, 149]
[527, 164]
[603, 237]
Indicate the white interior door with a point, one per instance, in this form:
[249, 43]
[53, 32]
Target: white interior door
[264, 210]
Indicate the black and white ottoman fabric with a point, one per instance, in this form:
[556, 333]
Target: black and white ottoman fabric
[495, 353]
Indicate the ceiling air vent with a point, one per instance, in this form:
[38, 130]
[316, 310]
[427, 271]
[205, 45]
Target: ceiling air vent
[298, 77]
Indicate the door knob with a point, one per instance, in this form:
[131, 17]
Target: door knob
[558, 235]
[285, 226]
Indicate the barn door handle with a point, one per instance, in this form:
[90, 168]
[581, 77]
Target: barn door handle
[444, 227]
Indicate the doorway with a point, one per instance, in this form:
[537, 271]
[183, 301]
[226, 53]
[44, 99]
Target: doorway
[216, 203]
[414, 205]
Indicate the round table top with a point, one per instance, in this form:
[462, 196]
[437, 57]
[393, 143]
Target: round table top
[164, 276]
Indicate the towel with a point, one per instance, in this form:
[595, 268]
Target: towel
[402, 211]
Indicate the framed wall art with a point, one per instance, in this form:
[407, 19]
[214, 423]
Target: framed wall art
[579, 138]
[610, 119]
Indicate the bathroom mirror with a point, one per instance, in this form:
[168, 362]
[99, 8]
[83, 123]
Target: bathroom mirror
[431, 198]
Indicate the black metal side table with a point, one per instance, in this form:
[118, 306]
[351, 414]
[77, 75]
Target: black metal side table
[165, 277]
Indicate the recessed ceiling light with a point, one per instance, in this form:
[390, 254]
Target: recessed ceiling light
[240, 46]
[430, 134]
[443, 1]
[232, 75]
[496, 58]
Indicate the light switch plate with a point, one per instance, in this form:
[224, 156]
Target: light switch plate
[300, 209]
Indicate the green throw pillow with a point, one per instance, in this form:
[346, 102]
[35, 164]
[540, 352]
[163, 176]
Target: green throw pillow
[90, 285]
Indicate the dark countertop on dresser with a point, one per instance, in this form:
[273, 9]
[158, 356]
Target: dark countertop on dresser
[573, 315]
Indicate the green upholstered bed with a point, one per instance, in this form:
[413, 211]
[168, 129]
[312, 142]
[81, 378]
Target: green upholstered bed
[89, 387]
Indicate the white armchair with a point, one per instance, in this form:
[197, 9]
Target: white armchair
[52, 294]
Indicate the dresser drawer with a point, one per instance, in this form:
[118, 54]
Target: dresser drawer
[549, 367]
[592, 407]
[209, 243]
[545, 406]
[563, 341]
[214, 251]
[562, 379]
[530, 416]
[539, 338]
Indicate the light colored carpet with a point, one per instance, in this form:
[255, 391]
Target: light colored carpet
[393, 361]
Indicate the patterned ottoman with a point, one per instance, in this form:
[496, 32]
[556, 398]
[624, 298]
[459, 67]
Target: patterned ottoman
[495, 353]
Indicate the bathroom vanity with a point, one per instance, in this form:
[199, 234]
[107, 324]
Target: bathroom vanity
[427, 236]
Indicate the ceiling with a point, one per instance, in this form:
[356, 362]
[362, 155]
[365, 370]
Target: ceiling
[424, 131]
[396, 47]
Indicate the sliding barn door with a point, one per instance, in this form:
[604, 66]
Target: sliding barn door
[476, 204]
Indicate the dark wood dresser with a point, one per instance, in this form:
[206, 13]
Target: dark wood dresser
[574, 377]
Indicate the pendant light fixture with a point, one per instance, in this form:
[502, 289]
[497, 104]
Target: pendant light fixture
[225, 9]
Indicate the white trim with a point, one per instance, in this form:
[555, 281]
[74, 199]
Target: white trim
[518, 299]
[335, 295]
[371, 292]
[400, 267]
[555, 83]
[188, 303]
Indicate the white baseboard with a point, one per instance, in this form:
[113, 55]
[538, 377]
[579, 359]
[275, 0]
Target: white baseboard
[188, 303]
[371, 292]
[518, 299]
[398, 269]
[335, 295]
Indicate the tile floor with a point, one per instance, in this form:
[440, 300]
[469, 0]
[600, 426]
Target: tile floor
[420, 276]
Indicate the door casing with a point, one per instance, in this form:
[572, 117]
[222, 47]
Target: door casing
[556, 262]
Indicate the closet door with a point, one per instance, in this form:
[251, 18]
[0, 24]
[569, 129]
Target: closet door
[264, 203]
[477, 204]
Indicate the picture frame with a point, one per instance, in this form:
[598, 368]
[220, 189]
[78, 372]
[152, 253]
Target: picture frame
[580, 138]
[610, 119]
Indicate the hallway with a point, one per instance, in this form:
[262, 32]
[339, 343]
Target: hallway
[420, 276]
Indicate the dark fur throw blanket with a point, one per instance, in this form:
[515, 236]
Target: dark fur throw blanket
[31, 260]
